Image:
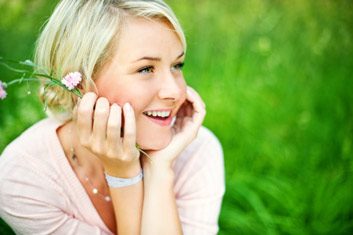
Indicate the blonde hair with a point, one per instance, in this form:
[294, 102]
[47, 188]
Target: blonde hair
[81, 35]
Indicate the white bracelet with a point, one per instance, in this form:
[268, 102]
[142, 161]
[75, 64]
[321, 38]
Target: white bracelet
[116, 182]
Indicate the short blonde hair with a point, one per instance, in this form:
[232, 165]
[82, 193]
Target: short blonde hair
[81, 35]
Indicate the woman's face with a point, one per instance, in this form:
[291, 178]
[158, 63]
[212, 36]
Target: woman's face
[146, 72]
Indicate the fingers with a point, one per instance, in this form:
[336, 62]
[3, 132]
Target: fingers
[101, 115]
[129, 127]
[84, 117]
[191, 90]
[114, 127]
[197, 104]
[100, 124]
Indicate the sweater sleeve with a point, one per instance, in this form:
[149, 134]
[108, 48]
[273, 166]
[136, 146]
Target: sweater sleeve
[200, 185]
[32, 203]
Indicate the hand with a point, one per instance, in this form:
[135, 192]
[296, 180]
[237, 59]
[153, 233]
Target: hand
[99, 128]
[188, 121]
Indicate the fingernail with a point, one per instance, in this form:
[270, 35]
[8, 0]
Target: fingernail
[127, 106]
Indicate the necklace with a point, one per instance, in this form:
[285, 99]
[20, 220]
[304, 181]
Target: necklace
[94, 189]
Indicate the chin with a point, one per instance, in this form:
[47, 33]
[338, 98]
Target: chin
[153, 142]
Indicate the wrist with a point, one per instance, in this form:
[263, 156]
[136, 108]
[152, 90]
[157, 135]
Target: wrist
[117, 182]
[124, 171]
[156, 171]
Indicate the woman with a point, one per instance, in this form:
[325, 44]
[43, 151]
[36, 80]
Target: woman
[131, 156]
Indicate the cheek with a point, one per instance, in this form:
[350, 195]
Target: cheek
[123, 93]
[150, 137]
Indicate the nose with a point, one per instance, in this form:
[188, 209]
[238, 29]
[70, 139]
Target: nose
[171, 87]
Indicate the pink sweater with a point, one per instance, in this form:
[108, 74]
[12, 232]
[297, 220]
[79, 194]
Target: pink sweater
[40, 193]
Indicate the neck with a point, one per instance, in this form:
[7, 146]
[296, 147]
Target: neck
[84, 159]
[85, 164]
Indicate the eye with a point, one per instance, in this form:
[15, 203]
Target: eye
[178, 66]
[147, 69]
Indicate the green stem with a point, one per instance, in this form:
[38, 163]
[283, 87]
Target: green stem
[143, 152]
[34, 76]
[14, 69]
[21, 80]
[44, 75]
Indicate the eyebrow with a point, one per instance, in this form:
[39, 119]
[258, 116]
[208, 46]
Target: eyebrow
[156, 58]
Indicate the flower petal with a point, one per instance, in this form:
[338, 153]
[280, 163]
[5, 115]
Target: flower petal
[3, 93]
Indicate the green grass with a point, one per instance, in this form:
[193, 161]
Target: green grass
[277, 80]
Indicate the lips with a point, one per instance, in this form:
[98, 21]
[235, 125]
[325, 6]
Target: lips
[160, 117]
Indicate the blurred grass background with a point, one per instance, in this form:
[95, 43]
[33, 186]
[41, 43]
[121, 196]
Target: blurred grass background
[277, 80]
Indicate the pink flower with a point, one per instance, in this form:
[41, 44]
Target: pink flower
[2, 90]
[71, 80]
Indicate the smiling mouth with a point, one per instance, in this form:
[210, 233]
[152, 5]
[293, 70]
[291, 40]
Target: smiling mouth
[161, 115]
[163, 118]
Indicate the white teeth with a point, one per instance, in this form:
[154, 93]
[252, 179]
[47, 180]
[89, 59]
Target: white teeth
[158, 113]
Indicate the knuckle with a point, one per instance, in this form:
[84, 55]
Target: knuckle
[125, 158]
[84, 142]
[111, 154]
[97, 148]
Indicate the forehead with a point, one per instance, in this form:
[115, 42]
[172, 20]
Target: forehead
[140, 37]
